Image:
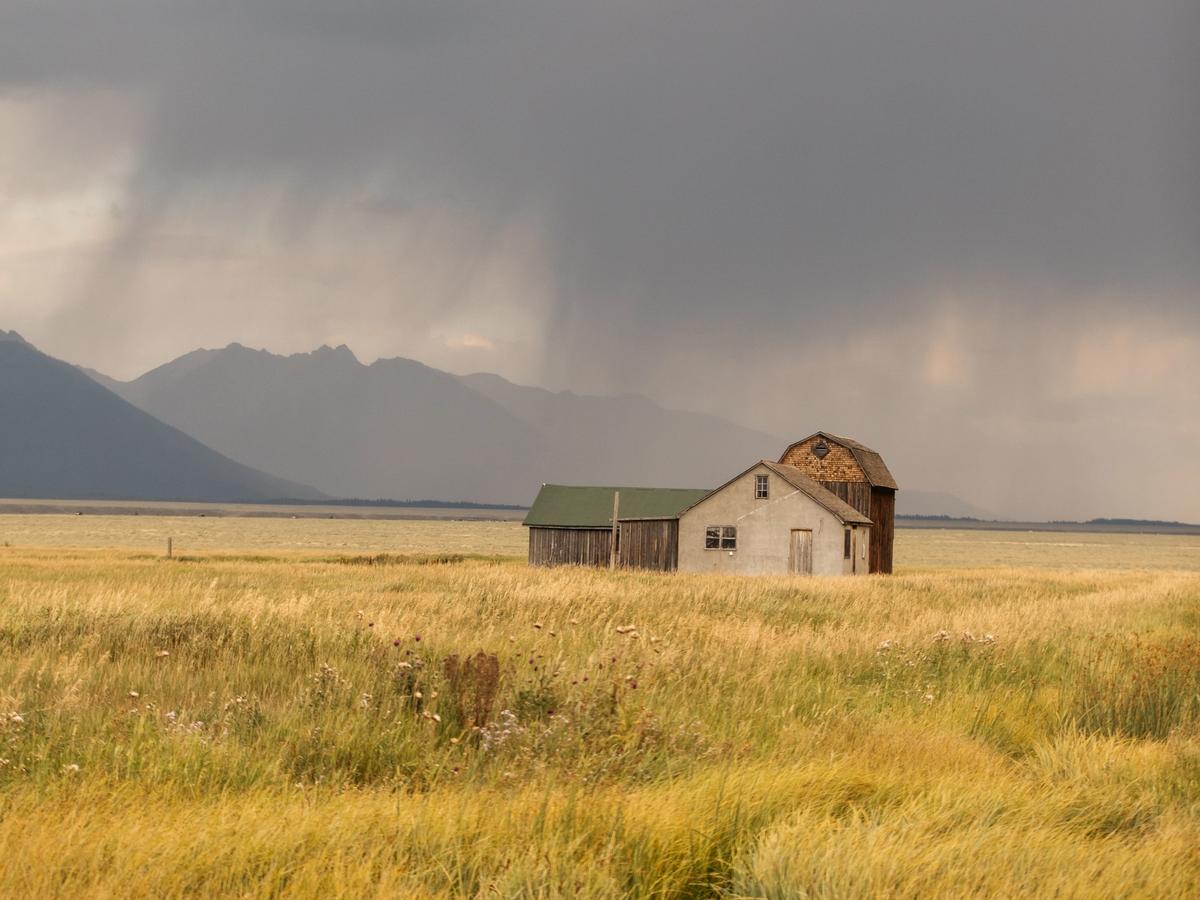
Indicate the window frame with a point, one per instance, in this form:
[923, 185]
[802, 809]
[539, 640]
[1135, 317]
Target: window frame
[847, 547]
[762, 487]
[724, 535]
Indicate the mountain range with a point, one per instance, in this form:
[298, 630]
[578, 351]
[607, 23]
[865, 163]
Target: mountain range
[66, 436]
[211, 424]
[400, 429]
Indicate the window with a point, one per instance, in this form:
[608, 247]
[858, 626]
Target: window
[846, 550]
[760, 487]
[720, 537]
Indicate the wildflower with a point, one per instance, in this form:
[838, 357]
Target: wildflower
[71, 768]
[968, 638]
[941, 637]
[886, 646]
[928, 698]
[574, 621]
[16, 718]
[396, 642]
[417, 638]
[161, 653]
[4, 761]
[436, 717]
[134, 694]
[417, 695]
[989, 639]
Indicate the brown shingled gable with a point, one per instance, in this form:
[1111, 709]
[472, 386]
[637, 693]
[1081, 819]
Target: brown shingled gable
[873, 467]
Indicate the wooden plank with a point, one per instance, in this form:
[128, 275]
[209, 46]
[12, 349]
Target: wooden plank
[800, 555]
[650, 544]
[883, 534]
[568, 546]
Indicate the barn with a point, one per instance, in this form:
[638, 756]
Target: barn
[571, 525]
[827, 507]
[859, 476]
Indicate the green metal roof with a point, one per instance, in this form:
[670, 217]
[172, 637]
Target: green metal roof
[566, 506]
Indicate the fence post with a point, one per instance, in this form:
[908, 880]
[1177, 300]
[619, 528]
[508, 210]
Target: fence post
[613, 553]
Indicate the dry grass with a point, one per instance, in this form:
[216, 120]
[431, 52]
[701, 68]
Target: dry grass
[284, 723]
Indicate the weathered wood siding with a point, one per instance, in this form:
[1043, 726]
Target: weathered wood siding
[883, 514]
[856, 493]
[569, 546]
[649, 544]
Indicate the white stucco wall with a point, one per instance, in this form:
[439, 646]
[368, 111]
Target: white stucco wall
[765, 531]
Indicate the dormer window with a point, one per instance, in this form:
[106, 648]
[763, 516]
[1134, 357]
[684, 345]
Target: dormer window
[760, 487]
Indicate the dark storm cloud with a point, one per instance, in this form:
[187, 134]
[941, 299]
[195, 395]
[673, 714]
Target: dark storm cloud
[726, 190]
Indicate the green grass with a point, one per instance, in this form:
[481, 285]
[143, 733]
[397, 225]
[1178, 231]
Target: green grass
[266, 722]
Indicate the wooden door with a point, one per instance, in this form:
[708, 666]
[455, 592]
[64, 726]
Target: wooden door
[801, 556]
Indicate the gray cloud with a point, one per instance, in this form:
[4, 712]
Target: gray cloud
[933, 223]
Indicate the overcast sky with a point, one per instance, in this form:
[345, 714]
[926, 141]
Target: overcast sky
[967, 233]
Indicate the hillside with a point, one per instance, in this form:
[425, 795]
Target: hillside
[395, 429]
[66, 436]
[400, 429]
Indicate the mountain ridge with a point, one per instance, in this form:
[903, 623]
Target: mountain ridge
[398, 427]
[70, 437]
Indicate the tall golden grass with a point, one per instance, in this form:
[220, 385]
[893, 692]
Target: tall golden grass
[272, 723]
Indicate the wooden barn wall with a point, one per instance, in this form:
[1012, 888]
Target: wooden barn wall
[569, 546]
[856, 493]
[883, 534]
[878, 505]
[649, 544]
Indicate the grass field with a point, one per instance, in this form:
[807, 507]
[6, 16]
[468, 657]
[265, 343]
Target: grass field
[273, 713]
